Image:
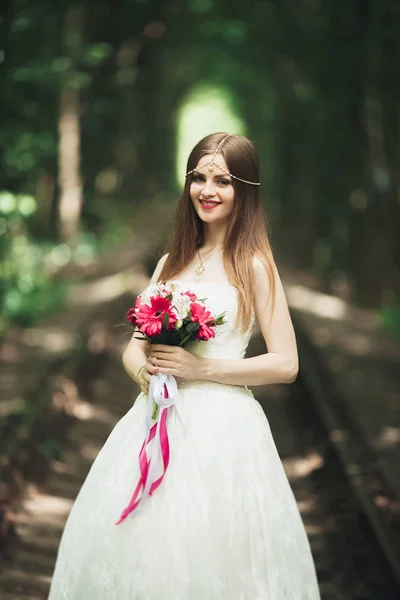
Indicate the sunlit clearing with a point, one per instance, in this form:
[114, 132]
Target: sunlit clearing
[312, 529]
[27, 578]
[108, 288]
[307, 506]
[315, 302]
[55, 341]
[298, 467]
[90, 451]
[47, 509]
[85, 411]
[9, 407]
[338, 436]
[388, 437]
[206, 109]
[60, 255]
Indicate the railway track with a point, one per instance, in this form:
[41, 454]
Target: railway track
[350, 562]
[369, 496]
[350, 559]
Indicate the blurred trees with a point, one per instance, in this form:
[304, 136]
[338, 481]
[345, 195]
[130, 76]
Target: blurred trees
[91, 92]
[338, 136]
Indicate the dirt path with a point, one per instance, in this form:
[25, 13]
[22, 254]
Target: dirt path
[101, 397]
[96, 397]
[96, 403]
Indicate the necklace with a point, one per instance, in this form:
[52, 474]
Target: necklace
[200, 269]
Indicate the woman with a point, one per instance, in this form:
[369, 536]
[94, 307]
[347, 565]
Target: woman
[224, 523]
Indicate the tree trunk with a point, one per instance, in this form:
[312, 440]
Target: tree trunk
[70, 203]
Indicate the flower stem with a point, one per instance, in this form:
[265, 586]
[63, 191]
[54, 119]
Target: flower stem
[155, 410]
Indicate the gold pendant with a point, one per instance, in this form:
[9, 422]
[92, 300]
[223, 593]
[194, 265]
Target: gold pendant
[200, 270]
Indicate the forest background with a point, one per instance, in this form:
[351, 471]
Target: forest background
[101, 101]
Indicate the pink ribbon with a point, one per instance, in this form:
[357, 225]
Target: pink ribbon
[157, 433]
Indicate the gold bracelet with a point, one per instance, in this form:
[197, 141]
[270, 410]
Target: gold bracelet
[137, 374]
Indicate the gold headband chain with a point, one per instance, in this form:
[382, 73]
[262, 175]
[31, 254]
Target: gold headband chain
[212, 163]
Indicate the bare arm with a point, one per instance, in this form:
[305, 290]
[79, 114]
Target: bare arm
[135, 355]
[280, 364]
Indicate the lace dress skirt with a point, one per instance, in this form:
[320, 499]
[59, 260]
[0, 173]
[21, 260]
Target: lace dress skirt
[223, 525]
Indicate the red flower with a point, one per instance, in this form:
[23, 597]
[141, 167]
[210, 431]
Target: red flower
[202, 316]
[150, 318]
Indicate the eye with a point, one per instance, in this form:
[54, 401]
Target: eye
[224, 182]
[197, 177]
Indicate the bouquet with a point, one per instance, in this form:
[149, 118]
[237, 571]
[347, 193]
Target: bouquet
[169, 315]
[165, 314]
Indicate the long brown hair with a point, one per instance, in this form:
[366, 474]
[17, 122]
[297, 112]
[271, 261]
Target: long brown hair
[247, 230]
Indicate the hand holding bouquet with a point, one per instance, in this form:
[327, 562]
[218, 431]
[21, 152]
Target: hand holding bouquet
[169, 315]
[173, 316]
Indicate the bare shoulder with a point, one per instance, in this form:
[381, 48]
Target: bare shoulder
[162, 260]
[273, 314]
[266, 292]
[261, 277]
[159, 268]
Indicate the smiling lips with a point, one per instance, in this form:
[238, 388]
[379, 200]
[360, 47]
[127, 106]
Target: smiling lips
[208, 204]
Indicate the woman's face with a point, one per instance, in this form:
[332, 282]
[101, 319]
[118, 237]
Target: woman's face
[212, 192]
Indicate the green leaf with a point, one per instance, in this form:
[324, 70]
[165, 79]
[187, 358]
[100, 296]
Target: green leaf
[189, 330]
[220, 320]
[144, 336]
[166, 320]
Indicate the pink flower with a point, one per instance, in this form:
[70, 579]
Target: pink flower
[131, 314]
[202, 316]
[192, 296]
[150, 318]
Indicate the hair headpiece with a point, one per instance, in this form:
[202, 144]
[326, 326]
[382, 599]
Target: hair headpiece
[212, 163]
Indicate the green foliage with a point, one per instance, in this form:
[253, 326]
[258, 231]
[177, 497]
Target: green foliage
[389, 318]
[201, 6]
[314, 82]
[50, 449]
[27, 290]
[95, 54]
[28, 151]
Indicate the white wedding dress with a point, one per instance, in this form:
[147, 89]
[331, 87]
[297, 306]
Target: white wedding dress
[223, 524]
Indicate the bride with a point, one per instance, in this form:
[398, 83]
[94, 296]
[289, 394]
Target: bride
[224, 524]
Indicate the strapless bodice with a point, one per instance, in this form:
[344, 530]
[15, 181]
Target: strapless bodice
[229, 342]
